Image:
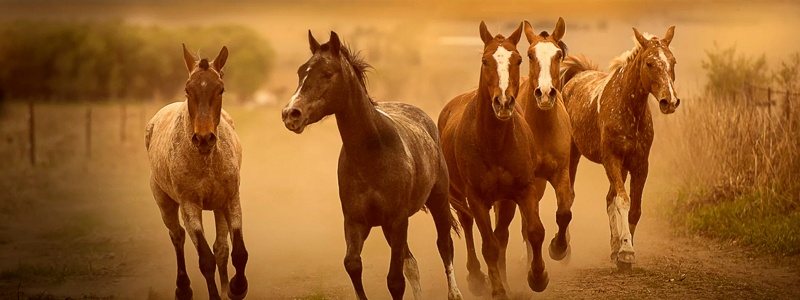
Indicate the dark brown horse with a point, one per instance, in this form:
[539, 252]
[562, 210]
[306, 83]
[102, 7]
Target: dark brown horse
[612, 125]
[487, 145]
[195, 159]
[390, 165]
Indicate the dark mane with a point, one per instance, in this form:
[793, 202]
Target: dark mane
[203, 64]
[356, 61]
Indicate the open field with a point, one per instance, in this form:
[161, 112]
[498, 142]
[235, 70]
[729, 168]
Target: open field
[85, 225]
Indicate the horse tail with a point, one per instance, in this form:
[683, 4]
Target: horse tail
[575, 64]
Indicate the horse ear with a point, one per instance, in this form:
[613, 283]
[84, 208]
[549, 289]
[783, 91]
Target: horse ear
[558, 32]
[485, 35]
[639, 37]
[529, 32]
[668, 37]
[334, 43]
[312, 42]
[219, 61]
[514, 37]
[188, 59]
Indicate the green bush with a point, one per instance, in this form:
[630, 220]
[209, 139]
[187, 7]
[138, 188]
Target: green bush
[73, 61]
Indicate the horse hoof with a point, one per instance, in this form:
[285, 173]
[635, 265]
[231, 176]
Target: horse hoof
[455, 295]
[556, 252]
[183, 294]
[476, 284]
[624, 260]
[538, 283]
[237, 288]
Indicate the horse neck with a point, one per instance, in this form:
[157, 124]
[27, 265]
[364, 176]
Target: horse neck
[632, 94]
[358, 120]
[489, 128]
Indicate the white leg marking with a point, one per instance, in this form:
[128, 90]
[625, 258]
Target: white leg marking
[502, 57]
[620, 229]
[544, 53]
[453, 291]
[299, 88]
[412, 274]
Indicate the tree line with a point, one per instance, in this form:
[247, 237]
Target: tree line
[100, 61]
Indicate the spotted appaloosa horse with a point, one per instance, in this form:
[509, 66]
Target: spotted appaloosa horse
[487, 145]
[612, 125]
[540, 98]
[195, 159]
[390, 165]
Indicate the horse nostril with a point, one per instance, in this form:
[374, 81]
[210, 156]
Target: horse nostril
[195, 140]
[552, 93]
[295, 113]
[537, 92]
[663, 103]
[496, 100]
[511, 101]
[677, 102]
[212, 139]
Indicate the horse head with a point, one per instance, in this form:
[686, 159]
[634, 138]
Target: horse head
[204, 90]
[545, 54]
[500, 70]
[657, 69]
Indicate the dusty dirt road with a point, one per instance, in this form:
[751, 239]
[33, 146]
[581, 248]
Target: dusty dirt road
[94, 231]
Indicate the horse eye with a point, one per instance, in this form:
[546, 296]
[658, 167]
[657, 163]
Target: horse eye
[483, 61]
[221, 91]
[530, 56]
[649, 64]
[519, 62]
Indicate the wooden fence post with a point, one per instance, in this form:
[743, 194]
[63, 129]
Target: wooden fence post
[89, 131]
[32, 133]
[123, 115]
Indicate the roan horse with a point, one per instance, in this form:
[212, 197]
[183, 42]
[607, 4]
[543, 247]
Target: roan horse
[195, 159]
[487, 145]
[390, 164]
[544, 110]
[612, 125]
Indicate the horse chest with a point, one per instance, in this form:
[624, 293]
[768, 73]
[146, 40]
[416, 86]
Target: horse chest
[501, 183]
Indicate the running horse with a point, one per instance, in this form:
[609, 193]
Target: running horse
[487, 145]
[540, 98]
[390, 164]
[195, 157]
[612, 125]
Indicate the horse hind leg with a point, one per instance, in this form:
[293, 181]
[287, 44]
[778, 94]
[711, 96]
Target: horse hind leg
[169, 214]
[221, 249]
[237, 289]
[397, 234]
[439, 206]
[193, 219]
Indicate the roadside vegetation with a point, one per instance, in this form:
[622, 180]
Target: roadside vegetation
[739, 154]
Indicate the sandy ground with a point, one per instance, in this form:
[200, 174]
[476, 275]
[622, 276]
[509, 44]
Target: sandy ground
[87, 227]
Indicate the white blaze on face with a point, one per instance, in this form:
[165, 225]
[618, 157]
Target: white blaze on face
[667, 67]
[544, 53]
[502, 57]
[297, 93]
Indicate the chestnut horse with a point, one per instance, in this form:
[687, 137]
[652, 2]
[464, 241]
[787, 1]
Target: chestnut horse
[390, 164]
[612, 125]
[487, 145]
[195, 159]
[544, 110]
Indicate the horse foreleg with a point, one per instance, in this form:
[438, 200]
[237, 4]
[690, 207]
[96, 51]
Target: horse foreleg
[169, 214]
[490, 247]
[439, 207]
[559, 245]
[354, 235]
[476, 280]
[529, 209]
[401, 260]
[238, 286]
[618, 205]
[221, 249]
[504, 213]
[193, 219]
[638, 178]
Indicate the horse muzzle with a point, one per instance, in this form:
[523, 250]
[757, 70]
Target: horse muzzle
[548, 100]
[204, 142]
[293, 119]
[503, 110]
[668, 107]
